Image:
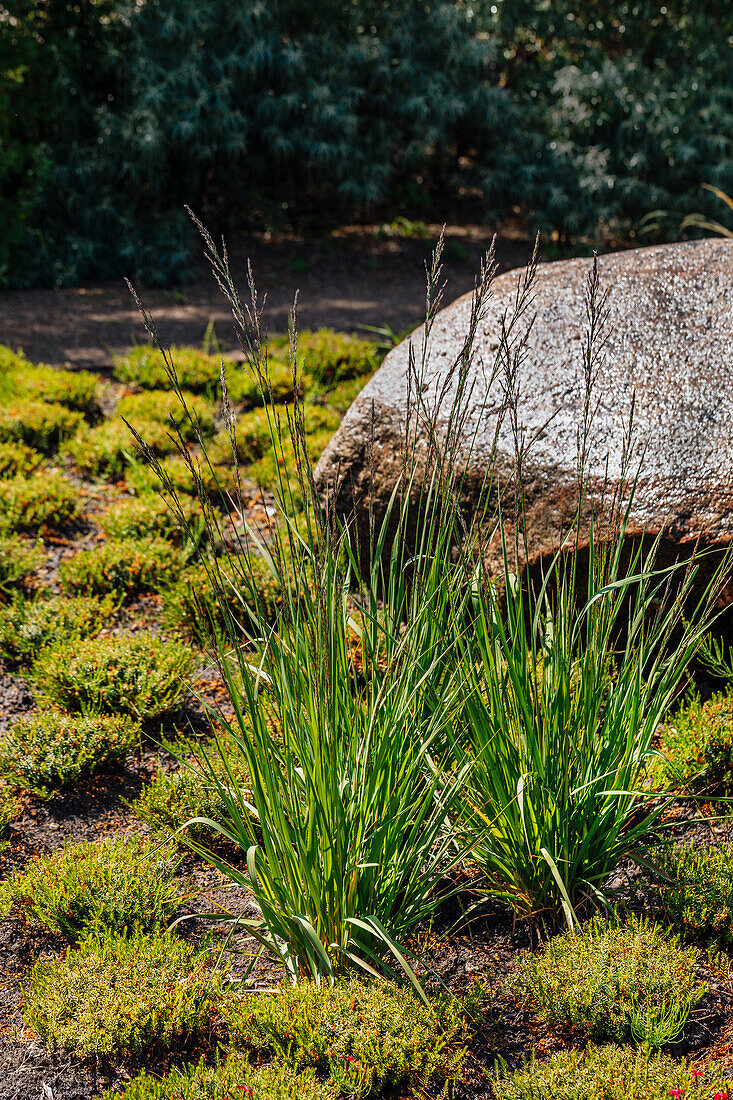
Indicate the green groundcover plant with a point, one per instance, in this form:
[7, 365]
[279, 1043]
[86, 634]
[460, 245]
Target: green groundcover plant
[114, 996]
[363, 1037]
[29, 502]
[612, 981]
[18, 458]
[695, 893]
[37, 424]
[20, 560]
[47, 751]
[696, 743]
[106, 450]
[125, 567]
[426, 709]
[232, 1078]
[28, 625]
[134, 674]
[118, 886]
[611, 1073]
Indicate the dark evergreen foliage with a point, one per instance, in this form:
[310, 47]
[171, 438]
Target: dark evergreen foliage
[114, 113]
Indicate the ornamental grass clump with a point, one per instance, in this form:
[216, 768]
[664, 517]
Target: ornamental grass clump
[611, 1073]
[363, 1037]
[49, 750]
[138, 674]
[612, 981]
[116, 996]
[119, 886]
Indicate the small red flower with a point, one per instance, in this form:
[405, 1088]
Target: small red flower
[676, 1092]
[720, 1096]
[697, 1073]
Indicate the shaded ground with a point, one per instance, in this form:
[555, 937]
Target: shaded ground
[345, 279]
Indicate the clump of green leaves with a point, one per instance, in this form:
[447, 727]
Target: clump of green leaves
[362, 1036]
[332, 357]
[28, 503]
[9, 810]
[26, 626]
[124, 567]
[610, 1073]
[106, 450]
[164, 406]
[142, 366]
[697, 895]
[75, 389]
[697, 743]
[48, 751]
[136, 674]
[18, 459]
[119, 886]
[277, 1081]
[37, 423]
[143, 517]
[119, 995]
[612, 981]
[191, 605]
[19, 560]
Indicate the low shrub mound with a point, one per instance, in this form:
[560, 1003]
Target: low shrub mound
[233, 1078]
[218, 481]
[612, 981]
[611, 1073]
[20, 559]
[27, 626]
[143, 366]
[190, 606]
[107, 450]
[9, 810]
[331, 357]
[361, 1036]
[164, 405]
[28, 503]
[17, 459]
[135, 674]
[143, 517]
[48, 751]
[173, 798]
[125, 567]
[697, 742]
[119, 995]
[75, 389]
[37, 423]
[116, 887]
[699, 898]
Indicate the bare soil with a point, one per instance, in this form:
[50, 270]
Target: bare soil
[346, 279]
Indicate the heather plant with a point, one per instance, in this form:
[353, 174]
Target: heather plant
[36, 423]
[362, 1037]
[48, 751]
[106, 450]
[134, 674]
[611, 980]
[610, 1073]
[114, 996]
[276, 1081]
[694, 891]
[9, 810]
[17, 459]
[696, 745]
[163, 405]
[116, 887]
[220, 482]
[141, 367]
[142, 517]
[29, 502]
[20, 559]
[26, 625]
[124, 567]
[78, 390]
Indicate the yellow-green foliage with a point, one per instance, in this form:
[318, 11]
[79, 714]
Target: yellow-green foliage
[244, 389]
[115, 886]
[18, 458]
[74, 389]
[122, 566]
[27, 503]
[697, 894]
[106, 451]
[609, 979]
[137, 674]
[330, 356]
[9, 810]
[610, 1073]
[161, 405]
[143, 366]
[144, 516]
[697, 742]
[113, 996]
[363, 1036]
[142, 479]
[49, 750]
[234, 1078]
[37, 423]
[26, 626]
[19, 560]
[190, 606]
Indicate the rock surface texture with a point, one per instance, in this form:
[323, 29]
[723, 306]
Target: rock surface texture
[669, 347]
